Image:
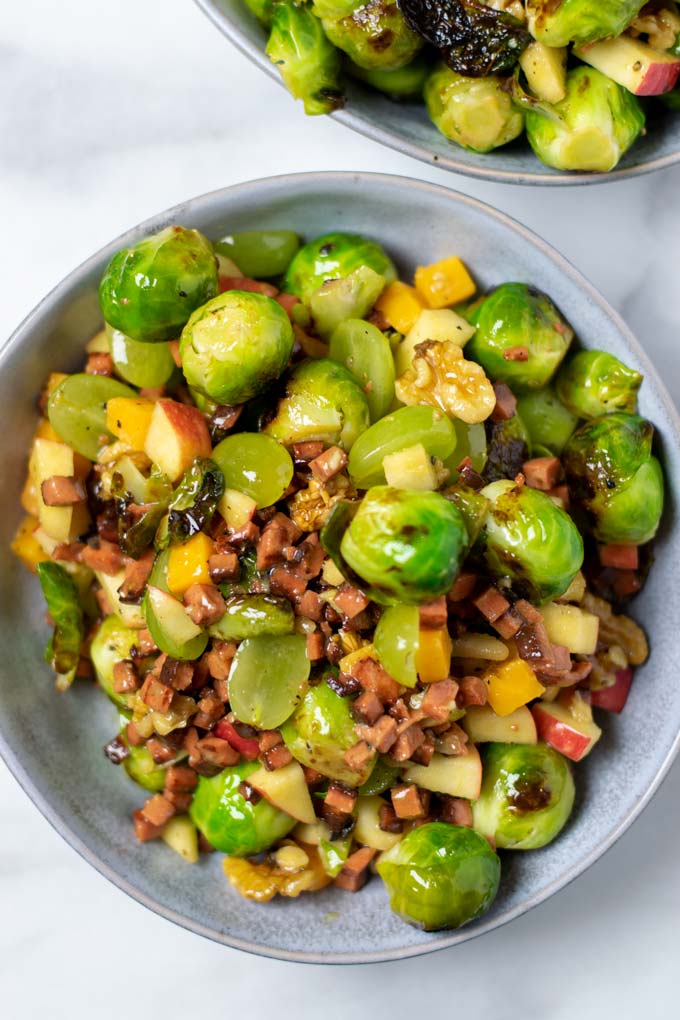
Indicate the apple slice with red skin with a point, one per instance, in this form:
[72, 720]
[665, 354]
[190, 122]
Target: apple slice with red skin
[177, 435]
[614, 698]
[572, 733]
[247, 747]
[641, 69]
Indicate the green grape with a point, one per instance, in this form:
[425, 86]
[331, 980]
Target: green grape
[268, 679]
[260, 254]
[255, 464]
[139, 363]
[470, 442]
[396, 642]
[365, 351]
[397, 431]
[253, 615]
[77, 410]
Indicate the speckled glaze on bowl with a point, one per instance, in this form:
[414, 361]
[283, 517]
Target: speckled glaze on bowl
[53, 742]
[407, 128]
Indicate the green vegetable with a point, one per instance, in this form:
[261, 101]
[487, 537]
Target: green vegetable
[396, 641]
[333, 257]
[406, 82]
[165, 629]
[63, 605]
[470, 442]
[255, 464]
[77, 410]
[231, 823]
[142, 769]
[112, 643]
[397, 431]
[268, 678]
[350, 297]
[234, 346]
[517, 315]
[593, 383]
[138, 363]
[260, 254]
[367, 354]
[374, 35]
[263, 10]
[526, 798]
[334, 854]
[136, 532]
[194, 503]
[477, 113]
[472, 506]
[615, 479]
[149, 291]
[440, 876]
[250, 616]
[531, 540]
[383, 776]
[509, 447]
[308, 63]
[323, 401]
[409, 546]
[548, 422]
[579, 21]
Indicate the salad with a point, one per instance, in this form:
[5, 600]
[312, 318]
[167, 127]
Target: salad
[574, 75]
[347, 554]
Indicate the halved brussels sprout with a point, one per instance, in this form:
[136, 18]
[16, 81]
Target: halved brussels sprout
[509, 447]
[406, 82]
[333, 257]
[308, 63]
[579, 21]
[593, 383]
[374, 35]
[477, 113]
[112, 643]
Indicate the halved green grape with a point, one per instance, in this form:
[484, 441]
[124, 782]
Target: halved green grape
[260, 254]
[112, 643]
[405, 83]
[255, 464]
[366, 352]
[383, 776]
[139, 363]
[143, 770]
[548, 422]
[470, 442]
[397, 431]
[397, 641]
[77, 410]
[268, 679]
[169, 625]
[253, 615]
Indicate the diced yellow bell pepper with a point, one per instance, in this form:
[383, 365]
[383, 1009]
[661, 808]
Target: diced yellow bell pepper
[401, 305]
[26, 546]
[188, 563]
[511, 684]
[129, 419]
[53, 380]
[444, 283]
[45, 431]
[433, 658]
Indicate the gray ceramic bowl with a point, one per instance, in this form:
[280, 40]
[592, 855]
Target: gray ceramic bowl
[407, 128]
[53, 742]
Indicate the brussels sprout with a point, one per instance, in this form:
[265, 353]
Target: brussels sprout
[409, 546]
[236, 345]
[509, 446]
[333, 257]
[531, 540]
[517, 315]
[142, 769]
[383, 776]
[308, 63]
[548, 422]
[406, 82]
[579, 21]
[260, 254]
[63, 605]
[614, 478]
[526, 798]
[112, 643]
[374, 35]
[472, 505]
[590, 129]
[194, 503]
[323, 401]
[440, 876]
[262, 9]
[474, 112]
[231, 823]
[593, 383]
[149, 291]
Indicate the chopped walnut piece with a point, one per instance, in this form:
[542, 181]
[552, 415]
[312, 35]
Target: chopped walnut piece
[618, 630]
[262, 880]
[442, 377]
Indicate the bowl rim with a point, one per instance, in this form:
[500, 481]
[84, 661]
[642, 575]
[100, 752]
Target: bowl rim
[347, 116]
[258, 188]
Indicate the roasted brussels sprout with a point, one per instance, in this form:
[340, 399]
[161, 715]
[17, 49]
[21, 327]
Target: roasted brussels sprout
[142, 769]
[323, 401]
[149, 291]
[474, 112]
[333, 257]
[262, 9]
[235, 345]
[409, 546]
[374, 35]
[593, 383]
[615, 479]
[526, 798]
[508, 447]
[112, 643]
[529, 539]
[308, 63]
[440, 876]
[580, 21]
[548, 422]
[406, 82]
[513, 316]
[63, 605]
[195, 500]
[590, 129]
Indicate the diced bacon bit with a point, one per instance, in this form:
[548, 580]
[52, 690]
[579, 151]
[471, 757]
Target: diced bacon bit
[434, 615]
[204, 846]
[276, 757]
[409, 802]
[508, 624]
[161, 750]
[205, 604]
[125, 677]
[249, 792]
[340, 797]
[246, 744]
[180, 778]
[116, 750]
[344, 685]
[144, 643]
[219, 659]
[622, 557]
[469, 476]
[560, 492]
[473, 691]
[452, 742]
[310, 605]
[387, 819]
[407, 742]
[350, 600]
[439, 699]
[247, 535]
[156, 695]
[99, 363]
[456, 811]
[462, 587]
[491, 604]
[284, 582]
[329, 463]
[180, 800]
[280, 532]
[223, 566]
[542, 473]
[305, 453]
[224, 417]
[287, 302]
[144, 829]
[269, 739]
[246, 283]
[373, 677]
[315, 646]
[177, 674]
[210, 709]
[312, 777]
[367, 708]
[84, 668]
[558, 665]
[61, 490]
[358, 755]
[354, 873]
[136, 575]
[308, 559]
[506, 403]
[400, 710]
[528, 612]
[158, 810]
[71, 552]
[382, 735]
[424, 754]
[626, 583]
[133, 736]
[518, 353]
[107, 558]
[214, 754]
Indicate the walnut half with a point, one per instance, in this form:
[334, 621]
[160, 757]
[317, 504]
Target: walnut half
[442, 377]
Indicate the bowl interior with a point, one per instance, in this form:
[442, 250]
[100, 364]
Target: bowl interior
[407, 128]
[53, 742]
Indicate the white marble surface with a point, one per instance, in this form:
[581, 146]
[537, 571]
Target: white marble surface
[108, 113]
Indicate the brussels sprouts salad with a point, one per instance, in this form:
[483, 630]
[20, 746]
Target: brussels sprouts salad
[347, 553]
[575, 75]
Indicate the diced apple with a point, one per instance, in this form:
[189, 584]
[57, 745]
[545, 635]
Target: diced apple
[411, 468]
[48, 458]
[171, 616]
[545, 68]
[99, 344]
[458, 776]
[633, 64]
[572, 627]
[367, 829]
[482, 725]
[287, 790]
[181, 835]
[614, 698]
[130, 614]
[177, 435]
[567, 726]
[236, 508]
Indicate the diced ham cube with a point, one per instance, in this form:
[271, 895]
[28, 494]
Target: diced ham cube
[434, 615]
[622, 557]
[409, 802]
[439, 699]
[156, 695]
[223, 566]
[106, 558]
[354, 873]
[462, 587]
[367, 708]
[382, 735]
[158, 810]
[180, 777]
[306, 452]
[542, 473]
[491, 604]
[350, 601]
[373, 677]
[340, 797]
[310, 605]
[407, 742]
[456, 811]
[506, 403]
[61, 490]
[328, 463]
[125, 679]
[284, 582]
[473, 691]
[205, 604]
[315, 646]
[144, 829]
[358, 755]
